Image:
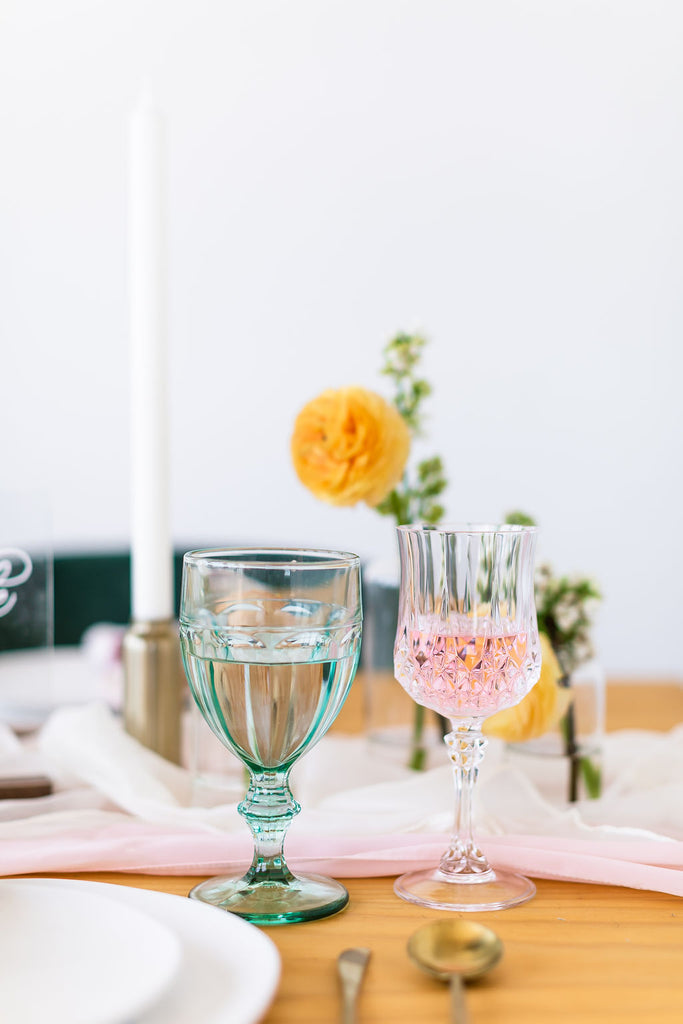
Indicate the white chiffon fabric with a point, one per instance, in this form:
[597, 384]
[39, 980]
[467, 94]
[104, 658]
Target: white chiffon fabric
[118, 806]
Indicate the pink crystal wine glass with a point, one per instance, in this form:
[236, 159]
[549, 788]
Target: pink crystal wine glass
[466, 646]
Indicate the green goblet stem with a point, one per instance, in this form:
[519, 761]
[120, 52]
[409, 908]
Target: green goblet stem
[268, 809]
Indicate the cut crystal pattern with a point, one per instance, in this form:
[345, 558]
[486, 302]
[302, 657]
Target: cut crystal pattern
[463, 675]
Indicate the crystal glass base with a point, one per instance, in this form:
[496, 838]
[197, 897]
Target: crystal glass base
[302, 898]
[494, 890]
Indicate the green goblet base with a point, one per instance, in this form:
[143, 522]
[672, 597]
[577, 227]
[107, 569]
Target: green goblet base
[301, 898]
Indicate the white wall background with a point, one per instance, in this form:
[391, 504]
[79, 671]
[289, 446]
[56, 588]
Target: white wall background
[504, 175]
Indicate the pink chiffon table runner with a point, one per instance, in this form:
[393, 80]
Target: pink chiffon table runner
[119, 807]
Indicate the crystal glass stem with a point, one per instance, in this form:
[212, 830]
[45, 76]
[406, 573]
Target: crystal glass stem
[463, 858]
[268, 809]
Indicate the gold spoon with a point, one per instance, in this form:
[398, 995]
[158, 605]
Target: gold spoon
[456, 950]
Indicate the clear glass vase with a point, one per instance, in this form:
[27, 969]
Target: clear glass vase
[566, 764]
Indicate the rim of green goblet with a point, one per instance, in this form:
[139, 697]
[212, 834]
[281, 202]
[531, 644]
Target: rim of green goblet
[279, 558]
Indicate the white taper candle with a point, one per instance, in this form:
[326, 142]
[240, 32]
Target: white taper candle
[151, 549]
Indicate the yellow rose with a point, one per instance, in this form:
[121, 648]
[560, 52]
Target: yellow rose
[350, 445]
[541, 709]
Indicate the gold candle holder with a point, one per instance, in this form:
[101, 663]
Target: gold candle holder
[153, 686]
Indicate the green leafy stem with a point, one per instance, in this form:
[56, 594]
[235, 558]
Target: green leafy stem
[414, 500]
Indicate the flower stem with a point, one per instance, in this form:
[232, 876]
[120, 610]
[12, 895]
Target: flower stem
[418, 753]
[572, 752]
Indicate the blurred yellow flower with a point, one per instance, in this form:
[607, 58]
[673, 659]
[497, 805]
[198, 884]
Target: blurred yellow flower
[541, 709]
[350, 445]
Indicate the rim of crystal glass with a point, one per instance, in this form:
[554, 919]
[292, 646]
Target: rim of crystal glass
[473, 528]
[316, 558]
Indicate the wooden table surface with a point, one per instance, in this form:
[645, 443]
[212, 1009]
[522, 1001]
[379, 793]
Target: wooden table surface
[575, 953]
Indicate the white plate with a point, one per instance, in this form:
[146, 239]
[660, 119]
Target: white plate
[229, 970]
[76, 957]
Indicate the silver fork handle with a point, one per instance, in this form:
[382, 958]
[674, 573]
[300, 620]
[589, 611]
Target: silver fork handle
[348, 1007]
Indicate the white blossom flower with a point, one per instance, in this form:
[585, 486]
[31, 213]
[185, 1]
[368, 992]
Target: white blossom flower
[567, 616]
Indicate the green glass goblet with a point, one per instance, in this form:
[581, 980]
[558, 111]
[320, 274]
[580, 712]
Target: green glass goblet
[270, 640]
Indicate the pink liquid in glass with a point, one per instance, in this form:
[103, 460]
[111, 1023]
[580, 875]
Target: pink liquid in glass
[463, 675]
